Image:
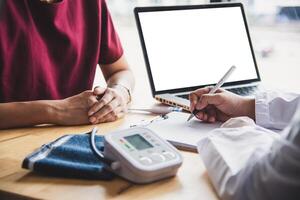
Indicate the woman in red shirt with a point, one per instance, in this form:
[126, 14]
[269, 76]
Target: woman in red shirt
[49, 51]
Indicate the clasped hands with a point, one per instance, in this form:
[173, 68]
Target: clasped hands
[93, 106]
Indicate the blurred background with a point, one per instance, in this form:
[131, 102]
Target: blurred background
[274, 28]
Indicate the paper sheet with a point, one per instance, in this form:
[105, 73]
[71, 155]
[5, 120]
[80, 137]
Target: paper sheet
[180, 132]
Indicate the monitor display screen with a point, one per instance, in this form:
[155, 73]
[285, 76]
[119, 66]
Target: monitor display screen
[138, 142]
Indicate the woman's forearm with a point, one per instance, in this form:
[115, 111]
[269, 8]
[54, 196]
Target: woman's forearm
[22, 114]
[119, 73]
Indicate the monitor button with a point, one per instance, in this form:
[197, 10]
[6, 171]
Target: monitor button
[156, 157]
[169, 155]
[146, 161]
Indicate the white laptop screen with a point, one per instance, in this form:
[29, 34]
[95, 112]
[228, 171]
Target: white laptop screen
[195, 47]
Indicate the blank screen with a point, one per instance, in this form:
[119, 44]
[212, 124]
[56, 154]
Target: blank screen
[196, 47]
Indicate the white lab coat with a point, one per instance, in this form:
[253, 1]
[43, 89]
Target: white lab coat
[245, 160]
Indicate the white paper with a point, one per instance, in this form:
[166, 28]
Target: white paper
[180, 132]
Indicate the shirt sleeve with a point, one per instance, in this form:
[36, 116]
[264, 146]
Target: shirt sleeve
[253, 163]
[226, 151]
[111, 48]
[276, 175]
[275, 110]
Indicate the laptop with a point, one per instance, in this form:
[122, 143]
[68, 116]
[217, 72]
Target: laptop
[190, 47]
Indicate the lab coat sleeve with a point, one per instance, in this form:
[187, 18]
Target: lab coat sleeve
[274, 109]
[250, 162]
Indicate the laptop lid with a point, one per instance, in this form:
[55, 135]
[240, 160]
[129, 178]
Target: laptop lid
[188, 47]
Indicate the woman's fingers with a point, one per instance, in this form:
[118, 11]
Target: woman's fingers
[112, 116]
[99, 91]
[107, 97]
[107, 109]
[92, 99]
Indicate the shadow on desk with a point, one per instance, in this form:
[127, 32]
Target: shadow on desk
[42, 186]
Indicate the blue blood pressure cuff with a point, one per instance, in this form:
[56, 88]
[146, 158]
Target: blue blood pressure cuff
[69, 156]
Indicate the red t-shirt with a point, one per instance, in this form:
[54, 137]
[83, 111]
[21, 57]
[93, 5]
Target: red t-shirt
[50, 51]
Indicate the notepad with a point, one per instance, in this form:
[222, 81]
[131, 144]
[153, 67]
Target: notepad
[179, 132]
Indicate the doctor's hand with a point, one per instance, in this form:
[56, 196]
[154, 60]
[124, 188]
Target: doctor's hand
[221, 105]
[111, 105]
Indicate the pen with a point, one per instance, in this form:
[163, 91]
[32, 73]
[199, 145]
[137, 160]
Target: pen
[214, 89]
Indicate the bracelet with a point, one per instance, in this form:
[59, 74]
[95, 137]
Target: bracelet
[123, 87]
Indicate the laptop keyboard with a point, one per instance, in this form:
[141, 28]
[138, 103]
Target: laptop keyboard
[243, 91]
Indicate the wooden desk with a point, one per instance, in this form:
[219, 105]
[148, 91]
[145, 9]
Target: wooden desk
[191, 181]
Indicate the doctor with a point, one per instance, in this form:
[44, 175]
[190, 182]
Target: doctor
[247, 159]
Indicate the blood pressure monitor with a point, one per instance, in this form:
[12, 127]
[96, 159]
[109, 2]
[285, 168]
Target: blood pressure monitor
[140, 156]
